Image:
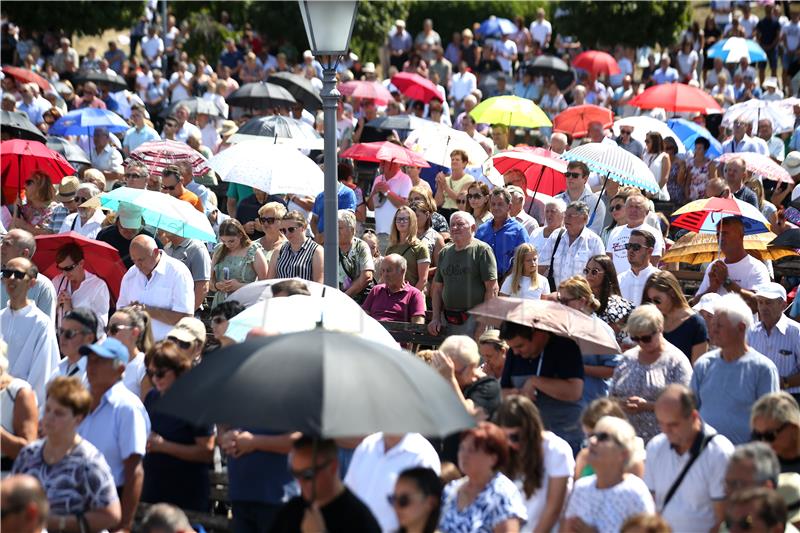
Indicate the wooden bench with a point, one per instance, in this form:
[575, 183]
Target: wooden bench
[416, 335]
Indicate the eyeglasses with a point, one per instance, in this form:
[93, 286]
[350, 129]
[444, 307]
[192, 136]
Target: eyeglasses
[71, 333]
[743, 524]
[158, 374]
[626, 132]
[402, 219]
[218, 320]
[68, 268]
[644, 339]
[602, 436]
[573, 175]
[133, 176]
[617, 207]
[400, 500]
[592, 271]
[633, 246]
[113, 329]
[18, 274]
[307, 474]
[768, 436]
[474, 196]
[169, 187]
[267, 220]
[184, 345]
[289, 230]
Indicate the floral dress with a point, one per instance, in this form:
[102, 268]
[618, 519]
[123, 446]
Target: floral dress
[617, 311]
[500, 500]
[240, 268]
[698, 178]
[675, 189]
[38, 216]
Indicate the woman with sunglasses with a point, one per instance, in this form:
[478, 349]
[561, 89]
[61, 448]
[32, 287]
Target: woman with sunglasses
[699, 169]
[403, 241]
[236, 262]
[591, 415]
[540, 462]
[683, 327]
[300, 256]
[525, 280]
[178, 453]
[131, 326]
[616, 208]
[76, 287]
[647, 369]
[417, 500]
[478, 202]
[603, 501]
[268, 221]
[658, 162]
[88, 221]
[775, 419]
[614, 310]
[438, 222]
[35, 216]
[425, 232]
[220, 316]
[676, 180]
[78, 327]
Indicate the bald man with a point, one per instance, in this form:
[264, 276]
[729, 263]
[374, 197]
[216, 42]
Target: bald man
[31, 337]
[24, 503]
[159, 284]
[20, 243]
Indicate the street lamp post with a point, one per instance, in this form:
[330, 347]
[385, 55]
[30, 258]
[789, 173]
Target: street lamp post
[329, 25]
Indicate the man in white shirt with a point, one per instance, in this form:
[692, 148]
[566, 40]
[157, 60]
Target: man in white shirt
[517, 211]
[631, 282]
[636, 207]
[105, 157]
[180, 83]
[541, 30]
[185, 128]
[389, 191]
[20, 243]
[506, 53]
[741, 141]
[777, 336]
[462, 85]
[152, 47]
[774, 144]
[567, 251]
[161, 285]
[697, 503]
[376, 464]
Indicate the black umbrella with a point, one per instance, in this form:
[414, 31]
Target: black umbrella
[551, 66]
[196, 105]
[399, 122]
[19, 126]
[261, 96]
[319, 382]
[788, 239]
[71, 151]
[299, 87]
[109, 77]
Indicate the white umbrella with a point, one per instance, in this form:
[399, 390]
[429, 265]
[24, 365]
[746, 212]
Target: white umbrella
[780, 113]
[435, 143]
[616, 163]
[272, 168]
[643, 125]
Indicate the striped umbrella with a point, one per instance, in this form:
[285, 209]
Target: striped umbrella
[158, 154]
[697, 248]
[616, 164]
[761, 165]
[703, 216]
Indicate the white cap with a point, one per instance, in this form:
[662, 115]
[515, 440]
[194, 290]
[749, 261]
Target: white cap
[772, 290]
[308, 54]
[707, 302]
[792, 162]
[130, 216]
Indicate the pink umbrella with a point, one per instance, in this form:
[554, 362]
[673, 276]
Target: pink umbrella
[370, 90]
[760, 164]
[158, 154]
[596, 63]
[416, 87]
[376, 152]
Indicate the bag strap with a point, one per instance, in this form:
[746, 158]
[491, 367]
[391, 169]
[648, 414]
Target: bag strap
[551, 279]
[696, 450]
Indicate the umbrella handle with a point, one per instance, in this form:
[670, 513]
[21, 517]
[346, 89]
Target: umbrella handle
[538, 182]
[599, 196]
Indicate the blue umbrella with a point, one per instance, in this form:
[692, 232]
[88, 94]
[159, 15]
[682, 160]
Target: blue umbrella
[733, 49]
[688, 132]
[495, 27]
[84, 121]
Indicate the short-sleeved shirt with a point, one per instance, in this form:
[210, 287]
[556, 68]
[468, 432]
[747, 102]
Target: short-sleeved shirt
[570, 259]
[748, 273]
[118, 428]
[631, 284]
[558, 463]
[781, 345]
[691, 331]
[400, 306]
[499, 501]
[620, 236]
[194, 255]
[108, 160]
[726, 391]
[527, 288]
[464, 274]
[239, 192]
[503, 241]
[607, 509]
[414, 254]
[80, 482]
[135, 138]
[346, 200]
[400, 184]
[262, 477]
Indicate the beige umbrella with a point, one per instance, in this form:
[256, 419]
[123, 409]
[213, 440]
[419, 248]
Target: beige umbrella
[697, 248]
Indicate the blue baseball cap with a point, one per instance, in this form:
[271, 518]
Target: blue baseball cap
[110, 348]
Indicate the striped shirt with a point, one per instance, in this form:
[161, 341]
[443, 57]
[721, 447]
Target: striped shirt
[781, 345]
[297, 264]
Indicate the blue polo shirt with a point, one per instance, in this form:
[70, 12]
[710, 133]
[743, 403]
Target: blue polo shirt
[503, 241]
[135, 138]
[347, 200]
[261, 476]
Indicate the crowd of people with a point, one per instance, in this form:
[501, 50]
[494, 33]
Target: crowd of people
[693, 425]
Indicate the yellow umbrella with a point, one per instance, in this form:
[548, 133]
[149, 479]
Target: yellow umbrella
[697, 248]
[511, 111]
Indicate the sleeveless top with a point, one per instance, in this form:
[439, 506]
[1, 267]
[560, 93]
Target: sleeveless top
[9, 399]
[293, 264]
[240, 268]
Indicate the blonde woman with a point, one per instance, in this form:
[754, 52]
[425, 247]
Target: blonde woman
[268, 222]
[300, 256]
[403, 241]
[766, 207]
[35, 216]
[525, 280]
[438, 222]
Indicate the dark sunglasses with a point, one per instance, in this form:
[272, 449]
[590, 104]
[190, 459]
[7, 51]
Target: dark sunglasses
[82, 199]
[160, 373]
[400, 500]
[218, 320]
[602, 436]
[69, 268]
[289, 230]
[185, 345]
[307, 474]
[768, 436]
[644, 338]
[28, 183]
[461, 201]
[267, 220]
[633, 246]
[626, 132]
[592, 271]
[169, 187]
[134, 177]
[18, 274]
[617, 207]
[573, 174]
[474, 196]
[71, 333]
[744, 524]
[113, 329]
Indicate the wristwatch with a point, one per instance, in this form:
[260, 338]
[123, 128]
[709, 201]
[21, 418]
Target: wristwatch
[727, 283]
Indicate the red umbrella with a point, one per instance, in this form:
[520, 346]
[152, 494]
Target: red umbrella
[596, 63]
[416, 87]
[384, 151]
[370, 90]
[100, 259]
[543, 169]
[21, 158]
[27, 76]
[575, 121]
[676, 97]
[156, 155]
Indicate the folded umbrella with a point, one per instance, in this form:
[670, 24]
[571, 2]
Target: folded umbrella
[261, 95]
[19, 126]
[550, 316]
[73, 153]
[596, 63]
[731, 50]
[761, 165]
[688, 132]
[376, 152]
[511, 111]
[416, 87]
[437, 142]
[320, 383]
[156, 155]
[24, 75]
[100, 258]
[575, 120]
[22, 158]
[279, 130]
[643, 125]
[84, 121]
[703, 216]
[300, 87]
[543, 169]
[366, 90]
[676, 97]
[107, 77]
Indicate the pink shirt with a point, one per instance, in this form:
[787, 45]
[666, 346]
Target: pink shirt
[401, 306]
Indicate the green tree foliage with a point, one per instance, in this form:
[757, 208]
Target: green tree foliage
[454, 15]
[74, 17]
[604, 24]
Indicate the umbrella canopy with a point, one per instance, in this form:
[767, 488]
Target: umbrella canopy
[326, 383]
[760, 165]
[384, 151]
[702, 216]
[109, 77]
[733, 49]
[366, 90]
[71, 151]
[304, 313]
[416, 87]
[156, 155]
[596, 63]
[779, 114]
[616, 163]
[788, 239]
[100, 258]
[688, 132]
[261, 95]
[400, 122]
[549, 316]
[272, 168]
[300, 87]
[196, 104]
[22, 158]
[643, 125]
[26, 76]
[511, 111]
[551, 66]
[497, 27]
[279, 130]
[697, 248]
[575, 121]
[162, 211]
[543, 169]
[436, 143]
[19, 126]
[84, 121]
[676, 97]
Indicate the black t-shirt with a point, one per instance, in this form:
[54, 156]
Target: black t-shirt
[484, 393]
[344, 514]
[112, 236]
[247, 211]
[768, 29]
[692, 331]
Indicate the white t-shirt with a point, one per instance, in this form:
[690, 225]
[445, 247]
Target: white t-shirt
[558, 462]
[607, 509]
[747, 273]
[400, 184]
[792, 32]
[134, 374]
[506, 52]
[620, 236]
[540, 31]
[527, 289]
[179, 92]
